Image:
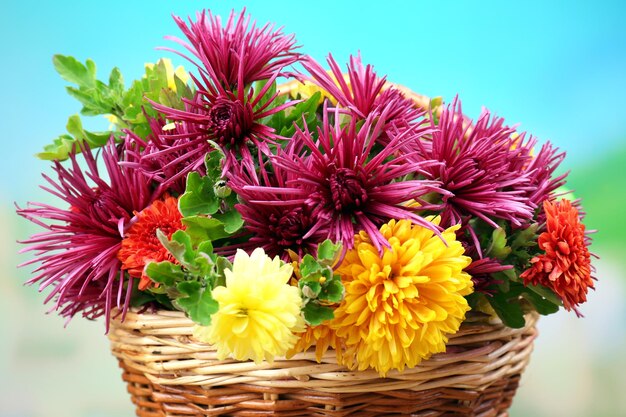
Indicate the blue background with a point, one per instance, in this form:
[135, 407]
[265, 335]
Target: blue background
[558, 68]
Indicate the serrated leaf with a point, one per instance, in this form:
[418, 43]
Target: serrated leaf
[71, 70]
[179, 249]
[197, 302]
[328, 251]
[499, 248]
[59, 149]
[310, 289]
[166, 273]
[199, 197]
[332, 291]
[315, 314]
[116, 82]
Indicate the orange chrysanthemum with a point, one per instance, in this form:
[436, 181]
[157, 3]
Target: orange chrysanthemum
[320, 336]
[565, 267]
[141, 245]
[401, 306]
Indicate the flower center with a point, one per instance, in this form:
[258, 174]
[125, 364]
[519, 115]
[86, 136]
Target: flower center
[347, 190]
[289, 228]
[229, 121]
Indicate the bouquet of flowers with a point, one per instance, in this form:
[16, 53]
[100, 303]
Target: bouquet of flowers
[283, 206]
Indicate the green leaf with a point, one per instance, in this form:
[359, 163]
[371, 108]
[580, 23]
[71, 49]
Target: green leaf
[70, 69]
[509, 311]
[328, 251]
[199, 197]
[166, 273]
[58, 150]
[545, 293]
[202, 228]
[197, 302]
[310, 289]
[231, 219]
[542, 305]
[116, 82]
[315, 314]
[179, 246]
[499, 248]
[332, 291]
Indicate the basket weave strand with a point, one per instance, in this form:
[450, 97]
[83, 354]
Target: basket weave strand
[171, 375]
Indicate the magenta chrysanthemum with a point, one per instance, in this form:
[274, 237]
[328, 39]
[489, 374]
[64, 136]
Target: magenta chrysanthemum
[78, 251]
[167, 156]
[237, 53]
[347, 186]
[362, 91]
[481, 168]
[275, 228]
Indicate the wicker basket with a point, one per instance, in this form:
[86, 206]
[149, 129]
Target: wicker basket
[170, 374]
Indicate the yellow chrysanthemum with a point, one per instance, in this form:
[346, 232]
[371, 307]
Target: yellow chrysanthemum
[259, 312]
[400, 307]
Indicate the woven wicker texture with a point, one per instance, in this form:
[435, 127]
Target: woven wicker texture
[170, 374]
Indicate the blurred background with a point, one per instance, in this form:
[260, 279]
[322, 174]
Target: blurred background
[558, 68]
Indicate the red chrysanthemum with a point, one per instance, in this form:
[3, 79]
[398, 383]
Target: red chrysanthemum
[141, 245]
[565, 267]
[78, 251]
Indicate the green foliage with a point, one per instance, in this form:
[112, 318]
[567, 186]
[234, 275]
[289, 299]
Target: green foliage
[320, 286]
[189, 282]
[197, 301]
[125, 108]
[285, 122]
[512, 299]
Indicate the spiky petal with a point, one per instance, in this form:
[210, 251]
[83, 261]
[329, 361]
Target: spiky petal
[78, 251]
[347, 185]
[361, 90]
[478, 169]
[237, 53]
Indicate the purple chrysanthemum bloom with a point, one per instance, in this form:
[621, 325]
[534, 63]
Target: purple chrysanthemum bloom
[238, 53]
[166, 156]
[482, 270]
[78, 251]
[362, 92]
[232, 120]
[347, 186]
[478, 168]
[275, 228]
[225, 108]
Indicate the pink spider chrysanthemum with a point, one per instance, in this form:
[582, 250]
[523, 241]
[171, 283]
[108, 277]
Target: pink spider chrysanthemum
[77, 252]
[347, 186]
[275, 228]
[361, 90]
[226, 109]
[481, 168]
[167, 155]
[238, 52]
